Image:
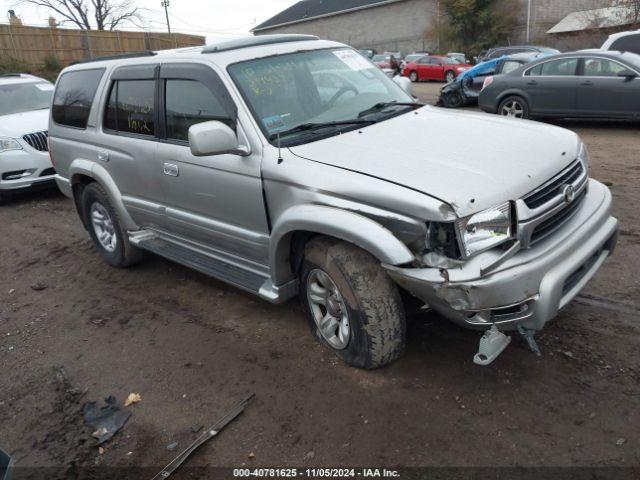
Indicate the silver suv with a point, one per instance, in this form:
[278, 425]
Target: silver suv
[272, 163]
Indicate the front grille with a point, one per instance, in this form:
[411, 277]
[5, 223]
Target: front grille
[554, 187]
[38, 140]
[550, 225]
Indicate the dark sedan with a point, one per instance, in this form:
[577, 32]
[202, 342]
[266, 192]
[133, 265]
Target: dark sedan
[593, 84]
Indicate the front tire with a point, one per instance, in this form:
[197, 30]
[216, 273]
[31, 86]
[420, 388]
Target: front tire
[514, 107]
[452, 100]
[105, 229]
[4, 198]
[351, 304]
[450, 76]
[413, 76]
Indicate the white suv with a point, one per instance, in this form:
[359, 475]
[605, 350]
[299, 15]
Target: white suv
[24, 115]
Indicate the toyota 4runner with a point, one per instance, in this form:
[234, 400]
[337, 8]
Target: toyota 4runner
[270, 163]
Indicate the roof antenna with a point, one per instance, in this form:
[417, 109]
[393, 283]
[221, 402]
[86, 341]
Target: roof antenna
[279, 149]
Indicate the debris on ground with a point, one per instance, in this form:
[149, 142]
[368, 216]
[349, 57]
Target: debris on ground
[132, 398]
[208, 435]
[105, 420]
[251, 455]
[196, 428]
[38, 287]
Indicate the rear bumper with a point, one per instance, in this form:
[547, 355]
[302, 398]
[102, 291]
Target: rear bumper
[530, 288]
[23, 170]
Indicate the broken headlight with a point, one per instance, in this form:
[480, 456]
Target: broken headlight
[485, 230]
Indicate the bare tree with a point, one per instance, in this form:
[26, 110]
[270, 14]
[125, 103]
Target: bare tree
[90, 14]
[631, 9]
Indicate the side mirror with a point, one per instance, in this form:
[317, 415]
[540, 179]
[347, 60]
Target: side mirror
[628, 74]
[405, 84]
[214, 138]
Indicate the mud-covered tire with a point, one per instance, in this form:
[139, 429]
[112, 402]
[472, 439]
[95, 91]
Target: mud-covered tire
[4, 198]
[124, 254]
[376, 314]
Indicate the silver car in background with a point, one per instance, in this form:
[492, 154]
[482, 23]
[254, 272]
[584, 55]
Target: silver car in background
[24, 117]
[272, 163]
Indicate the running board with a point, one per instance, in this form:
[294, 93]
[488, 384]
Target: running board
[245, 279]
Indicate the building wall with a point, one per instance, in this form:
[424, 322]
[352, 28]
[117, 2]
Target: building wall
[398, 26]
[545, 14]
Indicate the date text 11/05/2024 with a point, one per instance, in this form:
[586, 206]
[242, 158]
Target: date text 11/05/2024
[315, 473]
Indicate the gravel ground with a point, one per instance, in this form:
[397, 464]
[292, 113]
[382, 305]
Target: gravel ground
[73, 329]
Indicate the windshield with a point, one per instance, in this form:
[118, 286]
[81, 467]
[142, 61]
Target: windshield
[381, 58]
[24, 97]
[315, 87]
[451, 61]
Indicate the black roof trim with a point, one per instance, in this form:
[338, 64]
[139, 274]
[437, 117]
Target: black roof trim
[256, 41]
[116, 57]
[5, 75]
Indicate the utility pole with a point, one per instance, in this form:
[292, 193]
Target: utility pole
[165, 4]
[529, 21]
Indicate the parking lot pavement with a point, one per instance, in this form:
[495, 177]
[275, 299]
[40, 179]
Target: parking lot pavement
[192, 346]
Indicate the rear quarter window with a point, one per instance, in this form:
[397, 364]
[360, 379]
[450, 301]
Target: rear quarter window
[629, 43]
[74, 96]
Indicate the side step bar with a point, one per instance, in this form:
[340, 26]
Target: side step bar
[245, 279]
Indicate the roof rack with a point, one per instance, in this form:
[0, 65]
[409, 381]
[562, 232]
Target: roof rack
[256, 41]
[116, 57]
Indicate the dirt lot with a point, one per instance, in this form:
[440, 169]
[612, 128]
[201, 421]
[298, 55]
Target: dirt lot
[192, 346]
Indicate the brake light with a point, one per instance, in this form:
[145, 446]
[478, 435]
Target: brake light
[487, 81]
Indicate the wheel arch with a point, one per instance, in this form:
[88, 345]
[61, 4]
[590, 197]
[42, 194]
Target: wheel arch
[297, 225]
[84, 172]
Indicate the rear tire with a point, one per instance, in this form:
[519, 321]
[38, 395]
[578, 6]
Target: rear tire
[514, 107]
[341, 283]
[105, 229]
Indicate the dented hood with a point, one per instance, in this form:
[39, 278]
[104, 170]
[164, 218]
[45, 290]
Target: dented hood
[470, 161]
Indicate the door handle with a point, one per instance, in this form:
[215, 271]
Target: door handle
[587, 83]
[532, 82]
[103, 156]
[171, 169]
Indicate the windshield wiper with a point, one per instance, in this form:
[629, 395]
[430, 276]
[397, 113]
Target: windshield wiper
[303, 127]
[384, 105]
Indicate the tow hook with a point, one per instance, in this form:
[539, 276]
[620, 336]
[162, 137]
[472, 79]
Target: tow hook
[528, 336]
[492, 344]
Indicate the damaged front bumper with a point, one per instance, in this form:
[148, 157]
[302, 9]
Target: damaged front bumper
[528, 289]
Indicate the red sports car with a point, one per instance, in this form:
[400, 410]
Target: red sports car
[434, 67]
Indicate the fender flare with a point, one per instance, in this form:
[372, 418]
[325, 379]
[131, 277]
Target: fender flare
[99, 174]
[335, 222]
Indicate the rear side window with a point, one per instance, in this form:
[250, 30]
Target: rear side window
[188, 103]
[629, 43]
[74, 97]
[555, 68]
[131, 107]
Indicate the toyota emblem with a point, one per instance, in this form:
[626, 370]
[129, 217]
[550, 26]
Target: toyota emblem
[569, 193]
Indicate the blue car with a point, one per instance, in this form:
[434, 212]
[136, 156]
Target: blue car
[465, 90]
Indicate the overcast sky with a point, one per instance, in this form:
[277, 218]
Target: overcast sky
[212, 18]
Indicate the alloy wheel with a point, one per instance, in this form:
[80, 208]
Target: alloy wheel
[103, 227]
[513, 109]
[328, 309]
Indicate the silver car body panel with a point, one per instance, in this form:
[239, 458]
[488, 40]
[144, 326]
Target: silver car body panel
[244, 211]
